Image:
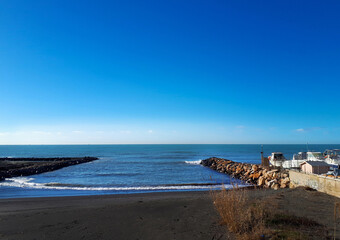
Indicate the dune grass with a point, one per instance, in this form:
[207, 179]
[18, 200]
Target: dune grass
[249, 219]
[244, 220]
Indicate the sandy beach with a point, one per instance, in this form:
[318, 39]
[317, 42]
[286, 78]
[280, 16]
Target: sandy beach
[174, 215]
[171, 215]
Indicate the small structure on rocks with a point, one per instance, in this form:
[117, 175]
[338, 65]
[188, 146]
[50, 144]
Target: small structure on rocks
[316, 167]
[264, 160]
[250, 173]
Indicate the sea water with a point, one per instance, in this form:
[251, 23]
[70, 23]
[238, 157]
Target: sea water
[133, 168]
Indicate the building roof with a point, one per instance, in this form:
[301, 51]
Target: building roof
[316, 163]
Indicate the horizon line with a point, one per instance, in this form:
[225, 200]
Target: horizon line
[96, 144]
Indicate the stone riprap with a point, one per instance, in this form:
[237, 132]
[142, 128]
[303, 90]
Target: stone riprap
[15, 167]
[250, 173]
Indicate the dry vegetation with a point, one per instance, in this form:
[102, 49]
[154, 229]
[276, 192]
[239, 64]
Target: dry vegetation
[248, 218]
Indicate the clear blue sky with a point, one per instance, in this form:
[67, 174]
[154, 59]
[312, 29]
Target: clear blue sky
[169, 72]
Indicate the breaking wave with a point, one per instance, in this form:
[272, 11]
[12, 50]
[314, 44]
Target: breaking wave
[23, 182]
[198, 162]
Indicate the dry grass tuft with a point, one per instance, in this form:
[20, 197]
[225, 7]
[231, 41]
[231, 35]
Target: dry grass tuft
[251, 219]
[244, 220]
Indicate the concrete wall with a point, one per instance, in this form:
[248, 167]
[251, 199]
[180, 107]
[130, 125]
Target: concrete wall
[324, 184]
[306, 168]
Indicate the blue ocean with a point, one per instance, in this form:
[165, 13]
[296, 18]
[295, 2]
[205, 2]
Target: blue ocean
[130, 169]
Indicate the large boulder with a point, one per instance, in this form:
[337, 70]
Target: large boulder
[254, 167]
[255, 175]
[261, 181]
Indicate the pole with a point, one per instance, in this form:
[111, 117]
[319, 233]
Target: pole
[262, 160]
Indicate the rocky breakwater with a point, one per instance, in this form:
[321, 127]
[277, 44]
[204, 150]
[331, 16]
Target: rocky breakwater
[15, 167]
[251, 173]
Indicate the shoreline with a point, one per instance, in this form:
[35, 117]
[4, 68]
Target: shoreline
[88, 191]
[250, 187]
[105, 196]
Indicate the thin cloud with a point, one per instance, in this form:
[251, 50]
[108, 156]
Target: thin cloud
[240, 129]
[301, 130]
[125, 132]
[41, 133]
[77, 132]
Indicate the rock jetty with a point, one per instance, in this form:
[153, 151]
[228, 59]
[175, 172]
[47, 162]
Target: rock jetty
[251, 173]
[15, 167]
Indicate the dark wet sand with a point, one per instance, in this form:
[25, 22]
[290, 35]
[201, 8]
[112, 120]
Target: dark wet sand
[181, 215]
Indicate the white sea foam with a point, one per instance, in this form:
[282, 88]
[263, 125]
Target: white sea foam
[23, 182]
[198, 162]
